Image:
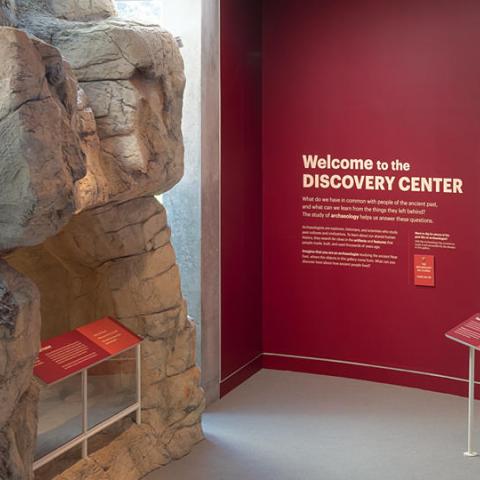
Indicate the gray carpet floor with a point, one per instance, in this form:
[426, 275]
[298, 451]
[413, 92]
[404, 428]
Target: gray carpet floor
[291, 426]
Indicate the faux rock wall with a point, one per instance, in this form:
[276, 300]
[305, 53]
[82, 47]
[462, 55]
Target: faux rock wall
[118, 260]
[133, 77]
[19, 334]
[90, 115]
[40, 150]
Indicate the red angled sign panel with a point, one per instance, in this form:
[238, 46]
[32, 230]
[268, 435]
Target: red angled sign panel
[467, 332]
[84, 347]
[109, 335]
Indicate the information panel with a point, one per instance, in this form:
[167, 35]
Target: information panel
[424, 266]
[67, 354]
[467, 332]
[370, 186]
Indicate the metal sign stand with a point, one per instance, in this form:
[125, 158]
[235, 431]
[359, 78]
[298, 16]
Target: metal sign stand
[88, 432]
[471, 404]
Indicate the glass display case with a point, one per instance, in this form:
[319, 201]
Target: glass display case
[89, 379]
[59, 415]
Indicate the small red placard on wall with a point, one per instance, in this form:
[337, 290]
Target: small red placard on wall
[467, 332]
[67, 354]
[424, 270]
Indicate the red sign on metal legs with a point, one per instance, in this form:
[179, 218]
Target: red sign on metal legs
[467, 332]
[67, 354]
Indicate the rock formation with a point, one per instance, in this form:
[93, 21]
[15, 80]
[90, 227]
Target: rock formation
[40, 150]
[19, 334]
[134, 80]
[90, 119]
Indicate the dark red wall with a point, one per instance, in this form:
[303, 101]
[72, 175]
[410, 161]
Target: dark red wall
[241, 189]
[369, 79]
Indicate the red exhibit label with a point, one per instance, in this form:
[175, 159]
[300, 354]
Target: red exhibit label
[424, 270]
[467, 332]
[74, 351]
[109, 335]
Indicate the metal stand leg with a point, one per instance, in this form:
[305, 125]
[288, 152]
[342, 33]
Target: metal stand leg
[138, 352]
[471, 404]
[85, 412]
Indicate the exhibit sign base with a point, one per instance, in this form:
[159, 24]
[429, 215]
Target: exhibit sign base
[89, 379]
[468, 333]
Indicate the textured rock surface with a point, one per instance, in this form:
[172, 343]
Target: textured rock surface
[82, 10]
[93, 189]
[133, 76]
[19, 342]
[40, 150]
[6, 14]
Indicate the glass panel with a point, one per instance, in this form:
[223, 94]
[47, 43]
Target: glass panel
[146, 11]
[183, 203]
[59, 415]
[183, 18]
[112, 387]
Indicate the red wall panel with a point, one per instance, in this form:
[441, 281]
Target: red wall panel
[241, 188]
[370, 79]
